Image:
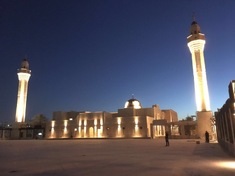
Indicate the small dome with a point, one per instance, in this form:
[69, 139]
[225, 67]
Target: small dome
[25, 64]
[195, 28]
[133, 103]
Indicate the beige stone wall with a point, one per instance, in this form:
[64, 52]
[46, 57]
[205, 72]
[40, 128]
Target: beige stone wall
[204, 123]
[170, 115]
[126, 127]
[126, 123]
[62, 125]
[91, 125]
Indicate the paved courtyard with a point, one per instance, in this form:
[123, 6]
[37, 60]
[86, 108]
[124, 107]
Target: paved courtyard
[113, 157]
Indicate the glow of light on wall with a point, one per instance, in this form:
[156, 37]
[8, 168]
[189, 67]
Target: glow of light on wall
[52, 123]
[101, 122]
[75, 129]
[85, 123]
[136, 133]
[95, 131]
[52, 128]
[118, 133]
[95, 122]
[119, 121]
[154, 130]
[65, 128]
[95, 127]
[136, 128]
[80, 123]
[119, 127]
[85, 131]
[136, 120]
[100, 131]
[71, 119]
[65, 123]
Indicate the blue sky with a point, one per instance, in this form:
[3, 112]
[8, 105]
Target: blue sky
[90, 55]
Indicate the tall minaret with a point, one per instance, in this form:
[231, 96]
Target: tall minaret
[23, 75]
[196, 43]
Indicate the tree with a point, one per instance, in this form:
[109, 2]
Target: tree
[39, 120]
[189, 118]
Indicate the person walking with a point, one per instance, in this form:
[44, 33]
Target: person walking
[207, 137]
[167, 139]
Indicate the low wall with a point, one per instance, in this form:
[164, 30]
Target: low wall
[227, 147]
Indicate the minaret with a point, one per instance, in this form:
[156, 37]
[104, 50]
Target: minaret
[196, 43]
[23, 75]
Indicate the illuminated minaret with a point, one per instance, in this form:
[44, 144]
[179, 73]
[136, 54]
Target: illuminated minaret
[23, 75]
[196, 43]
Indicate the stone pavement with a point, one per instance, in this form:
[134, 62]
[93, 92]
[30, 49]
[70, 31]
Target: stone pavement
[113, 157]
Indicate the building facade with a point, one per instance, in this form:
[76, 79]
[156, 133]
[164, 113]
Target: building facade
[132, 121]
[225, 122]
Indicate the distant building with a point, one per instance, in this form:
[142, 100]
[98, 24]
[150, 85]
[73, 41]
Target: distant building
[225, 121]
[131, 122]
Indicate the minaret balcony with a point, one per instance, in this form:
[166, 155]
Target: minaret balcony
[196, 45]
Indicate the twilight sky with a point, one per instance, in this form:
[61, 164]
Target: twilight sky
[92, 55]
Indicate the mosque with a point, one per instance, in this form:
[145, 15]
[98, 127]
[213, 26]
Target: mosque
[132, 121]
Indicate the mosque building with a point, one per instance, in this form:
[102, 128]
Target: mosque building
[133, 121]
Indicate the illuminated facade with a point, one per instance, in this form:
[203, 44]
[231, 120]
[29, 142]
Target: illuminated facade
[23, 75]
[196, 43]
[131, 122]
[225, 122]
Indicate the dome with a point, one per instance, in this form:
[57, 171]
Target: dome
[133, 103]
[25, 64]
[195, 28]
